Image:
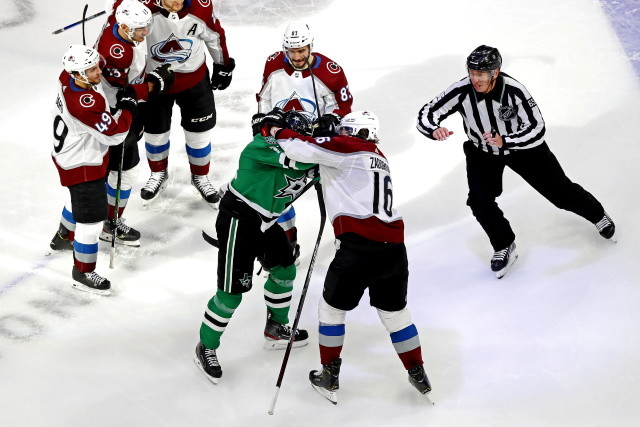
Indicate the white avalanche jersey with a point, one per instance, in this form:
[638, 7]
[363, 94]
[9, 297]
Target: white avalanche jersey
[289, 89]
[83, 128]
[181, 39]
[356, 183]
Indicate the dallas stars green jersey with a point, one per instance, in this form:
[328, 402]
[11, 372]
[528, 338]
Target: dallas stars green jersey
[267, 180]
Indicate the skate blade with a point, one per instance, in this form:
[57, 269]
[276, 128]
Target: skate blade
[132, 243]
[81, 287]
[271, 344]
[500, 274]
[427, 396]
[331, 396]
[213, 206]
[199, 365]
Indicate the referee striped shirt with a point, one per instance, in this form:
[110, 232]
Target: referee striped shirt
[508, 110]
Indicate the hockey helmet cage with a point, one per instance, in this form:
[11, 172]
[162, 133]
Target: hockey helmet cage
[484, 58]
[361, 124]
[134, 15]
[297, 35]
[298, 121]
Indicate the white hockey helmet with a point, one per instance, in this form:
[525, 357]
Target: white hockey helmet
[79, 58]
[297, 35]
[356, 122]
[134, 15]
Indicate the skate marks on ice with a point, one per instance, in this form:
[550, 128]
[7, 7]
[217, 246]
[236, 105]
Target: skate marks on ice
[271, 12]
[21, 12]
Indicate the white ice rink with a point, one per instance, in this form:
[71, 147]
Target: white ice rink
[554, 343]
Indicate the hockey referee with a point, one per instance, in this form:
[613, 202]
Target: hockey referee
[504, 127]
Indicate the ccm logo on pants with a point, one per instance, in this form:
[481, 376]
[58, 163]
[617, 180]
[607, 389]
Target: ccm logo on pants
[202, 119]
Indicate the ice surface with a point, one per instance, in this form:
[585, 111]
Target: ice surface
[554, 343]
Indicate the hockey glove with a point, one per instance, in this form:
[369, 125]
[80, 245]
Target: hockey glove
[126, 100]
[162, 77]
[275, 118]
[222, 74]
[326, 125]
[255, 123]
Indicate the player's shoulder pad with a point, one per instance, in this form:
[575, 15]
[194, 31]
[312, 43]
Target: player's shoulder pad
[202, 9]
[274, 62]
[85, 104]
[330, 72]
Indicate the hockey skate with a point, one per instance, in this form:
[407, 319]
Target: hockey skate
[503, 259]
[206, 190]
[327, 382]
[125, 235]
[418, 378]
[277, 335]
[207, 360]
[60, 241]
[90, 282]
[155, 185]
[606, 227]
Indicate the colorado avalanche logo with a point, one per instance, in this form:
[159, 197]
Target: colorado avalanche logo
[273, 56]
[87, 100]
[116, 50]
[297, 103]
[333, 67]
[172, 49]
[508, 112]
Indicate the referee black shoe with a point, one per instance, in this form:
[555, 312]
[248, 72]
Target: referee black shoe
[606, 227]
[503, 259]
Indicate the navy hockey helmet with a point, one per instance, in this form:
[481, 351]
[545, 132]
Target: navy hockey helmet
[484, 58]
[298, 121]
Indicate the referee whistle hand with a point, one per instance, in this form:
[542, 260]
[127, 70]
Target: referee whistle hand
[493, 139]
[442, 133]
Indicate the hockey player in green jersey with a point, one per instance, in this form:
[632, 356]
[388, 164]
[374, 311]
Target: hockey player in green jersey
[265, 184]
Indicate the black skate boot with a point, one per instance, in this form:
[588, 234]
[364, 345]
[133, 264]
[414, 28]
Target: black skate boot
[205, 188]
[90, 282]
[418, 378]
[327, 382]
[277, 335]
[606, 227]
[60, 241]
[125, 235]
[502, 260]
[207, 361]
[154, 186]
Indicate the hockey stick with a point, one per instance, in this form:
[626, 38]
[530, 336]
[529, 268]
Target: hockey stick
[114, 224]
[84, 19]
[88, 18]
[315, 94]
[294, 327]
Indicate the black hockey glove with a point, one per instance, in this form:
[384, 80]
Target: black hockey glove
[326, 125]
[127, 100]
[275, 118]
[222, 74]
[162, 77]
[255, 123]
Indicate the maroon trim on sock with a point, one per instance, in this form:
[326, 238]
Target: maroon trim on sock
[329, 354]
[411, 358]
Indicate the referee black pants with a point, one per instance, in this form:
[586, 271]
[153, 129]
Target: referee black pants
[537, 166]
